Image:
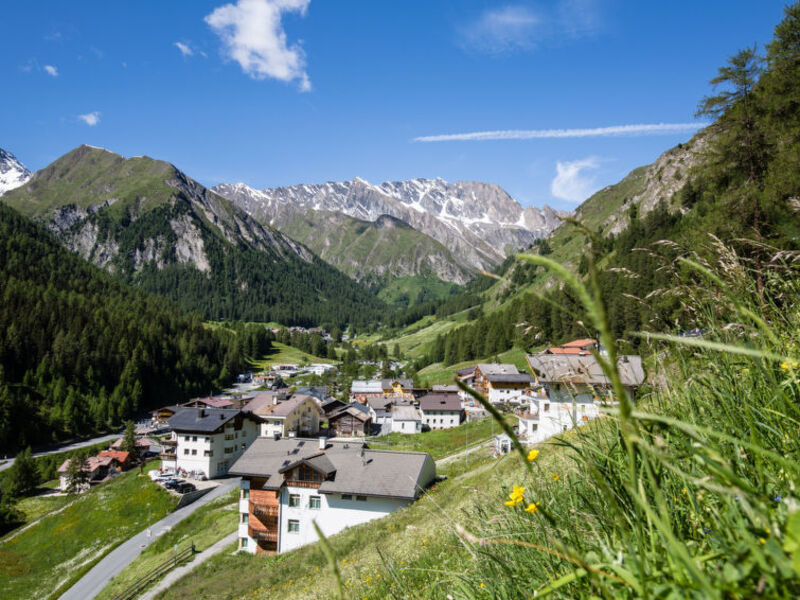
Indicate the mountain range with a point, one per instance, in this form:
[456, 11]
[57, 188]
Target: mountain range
[478, 223]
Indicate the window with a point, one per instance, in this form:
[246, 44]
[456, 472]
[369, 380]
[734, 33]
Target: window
[208, 453]
[228, 436]
[547, 407]
[244, 446]
[244, 542]
[315, 502]
[245, 517]
[294, 500]
[361, 498]
[194, 452]
[187, 438]
[208, 439]
[294, 526]
[186, 451]
[236, 435]
[347, 497]
[194, 438]
[245, 493]
[229, 450]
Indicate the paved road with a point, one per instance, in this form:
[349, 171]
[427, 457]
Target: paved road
[103, 572]
[67, 447]
[199, 559]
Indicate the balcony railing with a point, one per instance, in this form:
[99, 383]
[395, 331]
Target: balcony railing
[264, 511]
[303, 483]
[169, 442]
[261, 535]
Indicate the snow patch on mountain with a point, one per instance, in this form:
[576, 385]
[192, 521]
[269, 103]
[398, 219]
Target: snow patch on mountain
[12, 172]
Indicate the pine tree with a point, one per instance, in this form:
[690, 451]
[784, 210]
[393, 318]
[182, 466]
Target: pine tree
[129, 441]
[24, 476]
[78, 473]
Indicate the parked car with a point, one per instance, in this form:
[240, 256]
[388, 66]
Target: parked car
[185, 487]
[170, 484]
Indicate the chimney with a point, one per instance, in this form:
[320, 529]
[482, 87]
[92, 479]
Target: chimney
[323, 442]
[276, 436]
[221, 416]
[201, 413]
[275, 399]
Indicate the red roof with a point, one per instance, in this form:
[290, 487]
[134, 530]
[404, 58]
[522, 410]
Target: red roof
[579, 343]
[118, 455]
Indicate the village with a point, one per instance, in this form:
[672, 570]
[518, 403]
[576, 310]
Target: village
[306, 457]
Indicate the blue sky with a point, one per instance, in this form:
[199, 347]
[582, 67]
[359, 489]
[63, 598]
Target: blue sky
[278, 92]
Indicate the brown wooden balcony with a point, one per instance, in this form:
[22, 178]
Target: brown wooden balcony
[169, 442]
[264, 511]
[262, 535]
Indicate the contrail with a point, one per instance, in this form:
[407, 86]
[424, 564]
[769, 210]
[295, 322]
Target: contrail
[532, 134]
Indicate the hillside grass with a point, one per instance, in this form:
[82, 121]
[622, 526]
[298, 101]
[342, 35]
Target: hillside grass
[440, 443]
[438, 373]
[204, 527]
[44, 558]
[284, 354]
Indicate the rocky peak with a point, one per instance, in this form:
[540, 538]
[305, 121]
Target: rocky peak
[12, 172]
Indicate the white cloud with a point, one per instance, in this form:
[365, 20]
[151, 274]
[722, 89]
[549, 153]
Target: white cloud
[51, 70]
[253, 36]
[501, 30]
[184, 48]
[571, 182]
[91, 119]
[524, 27]
[531, 134]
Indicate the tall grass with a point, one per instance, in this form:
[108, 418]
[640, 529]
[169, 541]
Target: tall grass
[689, 492]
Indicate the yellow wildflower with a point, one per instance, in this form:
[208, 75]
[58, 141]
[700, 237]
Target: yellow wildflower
[762, 540]
[515, 497]
[533, 507]
[483, 585]
[532, 455]
[555, 477]
[683, 491]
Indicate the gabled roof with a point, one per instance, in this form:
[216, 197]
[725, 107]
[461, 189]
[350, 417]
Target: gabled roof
[446, 402]
[351, 467]
[497, 369]
[287, 407]
[362, 386]
[446, 389]
[584, 369]
[204, 420]
[117, 455]
[509, 378]
[212, 401]
[405, 413]
[355, 409]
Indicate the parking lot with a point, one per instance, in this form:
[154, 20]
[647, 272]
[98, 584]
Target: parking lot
[180, 485]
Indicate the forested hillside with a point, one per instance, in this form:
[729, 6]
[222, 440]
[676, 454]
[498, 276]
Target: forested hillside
[80, 352]
[152, 226]
[741, 186]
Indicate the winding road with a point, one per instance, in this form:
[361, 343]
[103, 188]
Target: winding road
[115, 561]
[67, 447]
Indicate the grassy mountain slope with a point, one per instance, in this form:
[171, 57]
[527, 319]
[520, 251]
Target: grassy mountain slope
[151, 225]
[379, 253]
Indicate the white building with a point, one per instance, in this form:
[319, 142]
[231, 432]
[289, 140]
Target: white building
[209, 440]
[289, 484]
[441, 411]
[406, 419]
[543, 418]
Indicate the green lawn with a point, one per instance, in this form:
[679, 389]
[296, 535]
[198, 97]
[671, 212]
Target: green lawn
[440, 442]
[204, 527]
[283, 354]
[437, 373]
[42, 560]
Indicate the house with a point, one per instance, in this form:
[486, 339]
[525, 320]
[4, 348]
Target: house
[209, 440]
[446, 389]
[291, 483]
[406, 419]
[361, 390]
[145, 446]
[122, 460]
[320, 392]
[543, 418]
[500, 382]
[576, 376]
[352, 420]
[441, 411]
[299, 415]
[97, 467]
[331, 405]
[163, 414]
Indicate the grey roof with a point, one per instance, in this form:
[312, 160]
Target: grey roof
[497, 369]
[203, 420]
[446, 389]
[406, 383]
[405, 413]
[376, 473]
[509, 378]
[361, 386]
[577, 369]
[320, 392]
[378, 402]
[450, 402]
